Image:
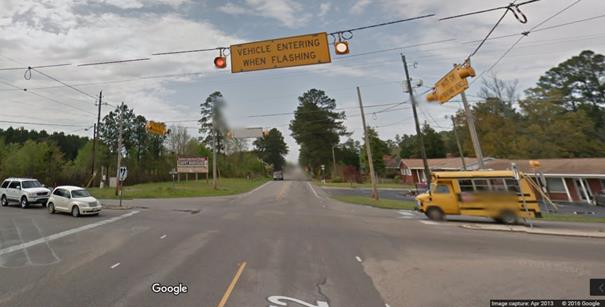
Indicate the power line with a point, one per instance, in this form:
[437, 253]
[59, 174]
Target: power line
[523, 35]
[189, 51]
[382, 24]
[487, 36]
[507, 7]
[41, 66]
[45, 97]
[115, 62]
[343, 108]
[61, 82]
[38, 123]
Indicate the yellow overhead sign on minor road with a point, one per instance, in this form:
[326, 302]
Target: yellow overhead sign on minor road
[282, 52]
[452, 84]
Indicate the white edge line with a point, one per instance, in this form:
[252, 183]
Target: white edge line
[256, 189]
[62, 234]
[115, 265]
[313, 189]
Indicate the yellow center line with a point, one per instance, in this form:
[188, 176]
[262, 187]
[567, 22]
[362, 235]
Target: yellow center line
[281, 192]
[232, 285]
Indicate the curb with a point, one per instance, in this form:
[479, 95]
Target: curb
[523, 229]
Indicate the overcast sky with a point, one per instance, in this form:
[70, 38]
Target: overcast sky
[170, 88]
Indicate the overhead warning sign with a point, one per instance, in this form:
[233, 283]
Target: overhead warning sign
[282, 52]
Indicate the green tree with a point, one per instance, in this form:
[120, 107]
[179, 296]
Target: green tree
[379, 149]
[579, 84]
[549, 131]
[578, 80]
[348, 153]
[317, 127]
[109, 129]
[43, 161]
[212, 122]
[433, 144]
[272, 148]
[498, 126]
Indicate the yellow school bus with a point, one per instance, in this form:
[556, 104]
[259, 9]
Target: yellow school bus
[493, 194]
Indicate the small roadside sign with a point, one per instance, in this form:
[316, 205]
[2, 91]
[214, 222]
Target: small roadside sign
[123, 173]
[246, 133]
[279, 53]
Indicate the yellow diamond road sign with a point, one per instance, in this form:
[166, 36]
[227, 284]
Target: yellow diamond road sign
[282, 52]
[450, 85]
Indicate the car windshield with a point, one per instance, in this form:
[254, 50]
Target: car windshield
[79, 193]
[31, 184]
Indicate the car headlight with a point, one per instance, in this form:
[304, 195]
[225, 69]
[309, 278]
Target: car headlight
[79, 203]
[418, 203]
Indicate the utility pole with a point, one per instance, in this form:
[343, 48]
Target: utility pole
[119, 150]
[333, 161]
[471, 126]
[375, 194]
[427, 170]
[458, 143]
[214, 144]
[94, 142]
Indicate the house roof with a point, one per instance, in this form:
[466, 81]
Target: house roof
[391, 161]
[568, 166]
[571, 166]
[437, 164]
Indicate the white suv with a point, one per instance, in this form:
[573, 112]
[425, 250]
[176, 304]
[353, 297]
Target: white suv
[24, 191]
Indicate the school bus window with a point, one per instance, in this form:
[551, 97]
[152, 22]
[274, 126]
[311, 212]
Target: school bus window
[466, 186]
[481, 184]
[497, 184]
[442, 189]
[512, 185]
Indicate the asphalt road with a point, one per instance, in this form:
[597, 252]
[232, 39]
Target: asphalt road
[283, 239]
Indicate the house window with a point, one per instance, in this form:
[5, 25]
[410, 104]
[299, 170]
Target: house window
[555, 185]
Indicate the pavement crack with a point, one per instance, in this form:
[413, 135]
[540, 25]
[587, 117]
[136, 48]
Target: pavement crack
[191, 211]
[318, 285]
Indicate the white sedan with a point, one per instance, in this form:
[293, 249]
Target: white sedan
[74, 200]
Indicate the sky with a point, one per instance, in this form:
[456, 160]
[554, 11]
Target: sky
[170, 88]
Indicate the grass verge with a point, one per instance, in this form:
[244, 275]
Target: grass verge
[382, 203]
[227, 186]
[572, 218]
[363, 185]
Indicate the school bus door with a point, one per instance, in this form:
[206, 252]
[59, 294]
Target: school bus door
[444, 197]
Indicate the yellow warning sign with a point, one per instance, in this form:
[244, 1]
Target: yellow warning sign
[450, 85]
[282, 52]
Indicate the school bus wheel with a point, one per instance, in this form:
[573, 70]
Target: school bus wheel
[435, 214]
[507, 217]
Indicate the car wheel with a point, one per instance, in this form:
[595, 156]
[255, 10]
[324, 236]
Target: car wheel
[4, 201]
[23, 202]
[75, 211]
[507, 217]
[435, 214]
[51, 208]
